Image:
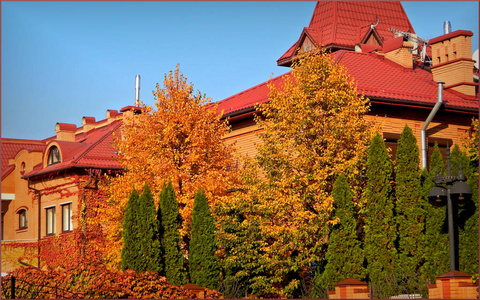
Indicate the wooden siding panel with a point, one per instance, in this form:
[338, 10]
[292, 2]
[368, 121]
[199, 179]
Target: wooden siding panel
[445, 126]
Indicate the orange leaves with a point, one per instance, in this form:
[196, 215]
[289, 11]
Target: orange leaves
[96, 282]
[178, 139]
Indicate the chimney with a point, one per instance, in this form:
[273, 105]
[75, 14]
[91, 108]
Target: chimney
[130, 111]
[137, 90]
[88, 123]
[112, 115]
[399, 51]
[452, 63]
[66, 132]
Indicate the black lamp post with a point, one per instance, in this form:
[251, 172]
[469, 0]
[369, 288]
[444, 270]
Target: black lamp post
[456, 192]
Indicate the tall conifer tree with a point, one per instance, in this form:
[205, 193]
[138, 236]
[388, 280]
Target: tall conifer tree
[344, 254]
[469, 233]
[379, 249]
[468, 213]
[202, 261]
[170, 220]
[436, 234]
[130, 248]
[410, 216]
[150, 257]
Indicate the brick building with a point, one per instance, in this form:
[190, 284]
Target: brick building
[44, 181]
[391, 65]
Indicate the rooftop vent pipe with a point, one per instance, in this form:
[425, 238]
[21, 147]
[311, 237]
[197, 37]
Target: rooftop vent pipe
[447, 27]
[137, 90]
[427, 122]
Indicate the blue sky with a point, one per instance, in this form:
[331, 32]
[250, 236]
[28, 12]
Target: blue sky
[65, 60]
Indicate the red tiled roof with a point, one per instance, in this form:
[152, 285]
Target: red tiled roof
[379, 79]
[10, 148]
[375, 77]
[93, 149]
[248, 98]
[343, 24]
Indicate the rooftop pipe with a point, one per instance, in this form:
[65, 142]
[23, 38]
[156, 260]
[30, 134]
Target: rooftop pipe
[137, 90]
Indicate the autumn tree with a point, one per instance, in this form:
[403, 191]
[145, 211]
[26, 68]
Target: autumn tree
[169, 217]
[179, 138]
[313, 129]
[344, 255]
[202, 261]
[409, 208]
[436, 231]
[380, 234]
[130, 250]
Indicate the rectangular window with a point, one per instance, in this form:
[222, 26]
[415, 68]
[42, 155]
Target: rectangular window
[50, 220]
[391, 141]
[67, 224]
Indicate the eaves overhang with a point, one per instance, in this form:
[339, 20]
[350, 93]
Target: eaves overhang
[237, 113]
[423, 105]
[66, 168]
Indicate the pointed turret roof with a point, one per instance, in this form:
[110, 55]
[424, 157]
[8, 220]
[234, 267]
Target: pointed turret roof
[343, 24]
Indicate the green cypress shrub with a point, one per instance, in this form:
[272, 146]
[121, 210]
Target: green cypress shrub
[202, 261]
[150, 257]
[380, 234]
[468, 213]
[468, 231]
[344, 254]
[436, 232]
[457, 158]
[169, 217]
[130, 249]
[409, 209]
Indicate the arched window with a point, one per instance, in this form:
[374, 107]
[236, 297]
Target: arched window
[53, 156]
[22, 219]
[22, 168]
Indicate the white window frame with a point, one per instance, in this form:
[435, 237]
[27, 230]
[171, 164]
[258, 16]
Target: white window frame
[67, 222]
[54, 156]
[50, 221]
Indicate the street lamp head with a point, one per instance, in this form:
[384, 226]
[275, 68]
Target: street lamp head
[437, 196]
[461, 192]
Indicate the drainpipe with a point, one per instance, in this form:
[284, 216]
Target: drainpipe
[427, 122]
[82, 212]
[39, 219]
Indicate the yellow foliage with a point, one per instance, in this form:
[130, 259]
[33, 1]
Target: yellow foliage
[314, 130]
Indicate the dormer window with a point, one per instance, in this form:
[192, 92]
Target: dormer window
[53, 156]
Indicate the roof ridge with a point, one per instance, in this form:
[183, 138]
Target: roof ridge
[101, 139]
[335, 20]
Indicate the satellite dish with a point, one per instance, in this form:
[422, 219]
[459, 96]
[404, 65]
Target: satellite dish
[475, 58]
